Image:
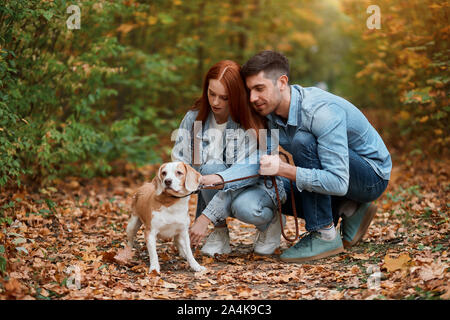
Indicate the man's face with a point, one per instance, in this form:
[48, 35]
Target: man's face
[265, 96]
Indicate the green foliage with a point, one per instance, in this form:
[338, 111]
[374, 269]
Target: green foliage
[72, 102]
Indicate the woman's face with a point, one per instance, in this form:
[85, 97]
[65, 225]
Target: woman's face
[218, 100]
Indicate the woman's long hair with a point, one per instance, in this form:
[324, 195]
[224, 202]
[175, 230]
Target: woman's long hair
[228, 73]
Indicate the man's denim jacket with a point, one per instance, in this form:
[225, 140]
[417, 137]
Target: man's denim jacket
[337, 125]
[245, 162]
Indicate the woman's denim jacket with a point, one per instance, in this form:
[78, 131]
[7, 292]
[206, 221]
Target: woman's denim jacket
[245, 162]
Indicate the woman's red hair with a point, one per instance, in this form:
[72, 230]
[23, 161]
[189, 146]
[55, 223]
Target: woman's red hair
[229, 73]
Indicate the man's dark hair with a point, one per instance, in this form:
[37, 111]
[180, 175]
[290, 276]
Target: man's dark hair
[273, 64]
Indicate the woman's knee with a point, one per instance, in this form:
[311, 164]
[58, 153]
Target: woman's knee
[250, 208]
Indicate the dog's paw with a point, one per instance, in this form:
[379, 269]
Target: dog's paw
[199, 268]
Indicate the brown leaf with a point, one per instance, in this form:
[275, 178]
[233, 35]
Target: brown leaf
[446, 295]
[432, 271]
[13, 287]
[360, 256]
[169, 285]
[355, 269]
[207, 260]
[154, 274]
[124, 255]
[108, 257]
[74, 184]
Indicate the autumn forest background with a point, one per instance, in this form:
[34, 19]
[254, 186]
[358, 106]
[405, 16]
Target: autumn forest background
[86, 116]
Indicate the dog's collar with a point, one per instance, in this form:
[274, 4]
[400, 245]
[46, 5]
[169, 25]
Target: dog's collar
[187, 195]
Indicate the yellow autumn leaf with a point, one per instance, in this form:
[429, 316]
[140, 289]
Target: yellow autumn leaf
[305, 39]
[125, 28]
[435, 6]
[152, 20]
[404, 115]
[424, 119]
[399, 263]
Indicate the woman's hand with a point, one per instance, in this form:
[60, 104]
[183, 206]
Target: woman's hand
[199, 230]
[212, 179]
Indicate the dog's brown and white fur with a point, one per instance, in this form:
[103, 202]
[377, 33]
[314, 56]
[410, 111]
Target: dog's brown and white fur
[163, 207]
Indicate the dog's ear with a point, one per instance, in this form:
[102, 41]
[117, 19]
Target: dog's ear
[159, 182]
[192, 178]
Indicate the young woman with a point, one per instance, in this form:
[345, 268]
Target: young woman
[211, 138]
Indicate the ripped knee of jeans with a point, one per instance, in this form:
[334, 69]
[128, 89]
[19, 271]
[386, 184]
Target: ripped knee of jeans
[252, 214]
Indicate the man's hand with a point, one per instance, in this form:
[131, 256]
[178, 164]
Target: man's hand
[269, 165]
[211, 179]
[199, 230]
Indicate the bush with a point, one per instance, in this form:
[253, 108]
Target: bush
[71, 101]
[404, 68]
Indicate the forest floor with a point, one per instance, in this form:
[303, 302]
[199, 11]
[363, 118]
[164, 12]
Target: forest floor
[67, 242]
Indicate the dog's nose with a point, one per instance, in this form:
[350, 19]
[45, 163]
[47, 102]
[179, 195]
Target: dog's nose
[168, 182]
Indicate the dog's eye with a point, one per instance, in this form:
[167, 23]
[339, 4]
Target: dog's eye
[163, 173]
[179, 173]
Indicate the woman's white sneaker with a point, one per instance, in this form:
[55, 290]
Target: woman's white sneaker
[268, 241]
[218, 242]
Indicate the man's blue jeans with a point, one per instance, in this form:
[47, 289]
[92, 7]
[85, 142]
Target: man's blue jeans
[250, 204]
[319, 210]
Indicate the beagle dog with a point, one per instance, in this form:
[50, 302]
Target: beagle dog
[162, 206]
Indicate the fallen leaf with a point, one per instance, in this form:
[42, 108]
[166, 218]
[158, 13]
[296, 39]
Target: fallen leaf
[399, 263]
[109, 257]
[203, 295]
[446, 295]
[124, 255]
[432, 271]
[169, 285]
[13, 287]
[355, 269]
[207, 260]
[360, 256]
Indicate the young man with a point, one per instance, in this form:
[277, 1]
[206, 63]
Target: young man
[341, 162]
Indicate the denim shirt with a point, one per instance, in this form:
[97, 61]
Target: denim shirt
[337, 125]
[245, 162]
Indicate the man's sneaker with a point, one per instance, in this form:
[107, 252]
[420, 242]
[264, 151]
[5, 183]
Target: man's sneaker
[312, 247]
[266, 242]
[218, 242]
[355, 227]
